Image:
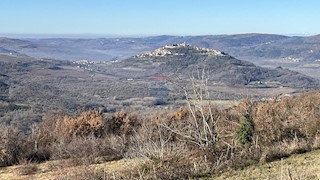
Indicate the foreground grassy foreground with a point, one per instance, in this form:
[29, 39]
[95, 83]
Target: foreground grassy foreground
[301, 166]
[66, 170]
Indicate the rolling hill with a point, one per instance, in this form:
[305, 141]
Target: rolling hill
[298, 53]
[182, 60]
[253, 47]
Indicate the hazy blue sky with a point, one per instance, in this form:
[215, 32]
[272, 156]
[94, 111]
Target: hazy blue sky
[153, 17]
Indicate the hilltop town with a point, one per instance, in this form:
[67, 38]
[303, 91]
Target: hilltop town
[173, 50]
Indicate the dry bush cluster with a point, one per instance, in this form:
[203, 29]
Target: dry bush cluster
[194, 141]
[210, 139]
[287, 118]
[88, 123]
[82, 138]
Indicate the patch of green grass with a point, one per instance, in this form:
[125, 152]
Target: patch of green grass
[302, 166]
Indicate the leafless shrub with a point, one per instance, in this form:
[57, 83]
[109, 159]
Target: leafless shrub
[83, 150]
[201, 128]
[154, 142]
[10, 146]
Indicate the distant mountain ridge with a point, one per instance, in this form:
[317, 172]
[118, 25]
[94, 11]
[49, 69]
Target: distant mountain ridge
[299, 53]
[251, 47]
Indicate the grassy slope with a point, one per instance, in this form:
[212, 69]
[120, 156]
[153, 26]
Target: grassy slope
[301, 166]
[64, 170]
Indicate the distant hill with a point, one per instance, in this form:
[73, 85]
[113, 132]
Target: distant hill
[242, 46]
[184, 59]
[8, 42]
[299, 53]
[6, 51]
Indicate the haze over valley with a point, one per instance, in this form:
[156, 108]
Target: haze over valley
[297, 53]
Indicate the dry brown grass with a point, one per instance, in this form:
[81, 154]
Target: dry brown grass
[63, 169]
[27, 169]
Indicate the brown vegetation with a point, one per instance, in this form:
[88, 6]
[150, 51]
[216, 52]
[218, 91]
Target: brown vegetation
[181, 144]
